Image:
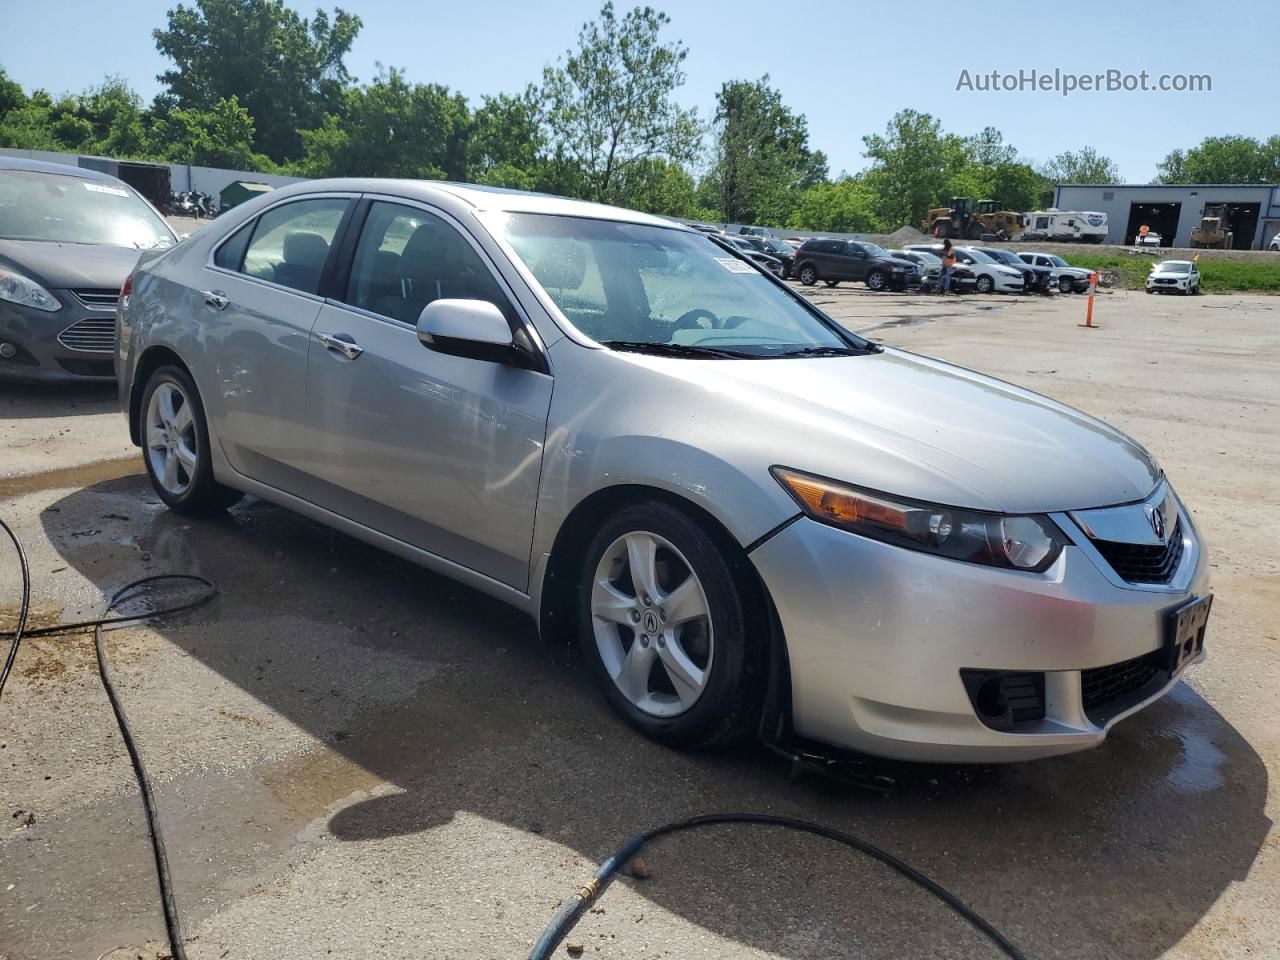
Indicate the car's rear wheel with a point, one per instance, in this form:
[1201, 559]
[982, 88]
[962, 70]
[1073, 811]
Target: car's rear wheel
[985, 284]
[668, 630]
[175, 445]
[877, 281]
[808, 275]
[1065, 285]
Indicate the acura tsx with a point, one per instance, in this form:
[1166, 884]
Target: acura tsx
[746, 515]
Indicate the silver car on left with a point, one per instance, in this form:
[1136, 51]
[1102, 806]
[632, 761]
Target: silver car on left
[68, 239]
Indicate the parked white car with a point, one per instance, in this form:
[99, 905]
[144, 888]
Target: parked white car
[1150, 240]
[1174, 276]
[1275, 243]
[990, 277]
[1062, 275]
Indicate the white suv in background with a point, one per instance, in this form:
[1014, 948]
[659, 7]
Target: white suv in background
[1275, 243]
[991, 277]
[1174, 276]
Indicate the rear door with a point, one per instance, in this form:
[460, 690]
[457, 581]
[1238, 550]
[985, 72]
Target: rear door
[854, 261]
[261, 296]
[439, 451]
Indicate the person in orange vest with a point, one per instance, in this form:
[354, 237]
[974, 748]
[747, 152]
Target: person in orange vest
[948, 266]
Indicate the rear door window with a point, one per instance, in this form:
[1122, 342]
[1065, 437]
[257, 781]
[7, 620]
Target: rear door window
[291, 242]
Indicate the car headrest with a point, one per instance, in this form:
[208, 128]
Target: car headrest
[305, 249]
[426, 251]
[562, 266]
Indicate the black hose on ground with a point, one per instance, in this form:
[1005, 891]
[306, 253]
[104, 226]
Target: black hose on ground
[167, 903]
[571, 911]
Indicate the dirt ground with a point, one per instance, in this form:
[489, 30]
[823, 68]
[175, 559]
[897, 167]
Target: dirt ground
[357, 758]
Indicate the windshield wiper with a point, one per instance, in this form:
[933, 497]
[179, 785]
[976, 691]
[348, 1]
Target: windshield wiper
[821, 352]
[678, 350]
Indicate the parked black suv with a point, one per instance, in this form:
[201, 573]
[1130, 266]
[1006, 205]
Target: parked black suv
[834, 260]
[774, 248]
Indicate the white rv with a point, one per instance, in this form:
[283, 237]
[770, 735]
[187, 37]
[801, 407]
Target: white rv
[1066, 226]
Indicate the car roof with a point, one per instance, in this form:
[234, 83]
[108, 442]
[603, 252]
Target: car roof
[1170, 263]
[63, 169]
[482, 199]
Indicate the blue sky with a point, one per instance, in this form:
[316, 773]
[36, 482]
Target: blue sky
[848, 67]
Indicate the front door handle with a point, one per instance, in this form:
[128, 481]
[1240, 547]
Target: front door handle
[342, 343]
[214, 299]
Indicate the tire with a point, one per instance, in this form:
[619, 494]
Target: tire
[1065, 285]
[985, 284]
[1149, 290]
[720, 650]
[877, 281]
[175, 445]
[832, 283]
[808, 275]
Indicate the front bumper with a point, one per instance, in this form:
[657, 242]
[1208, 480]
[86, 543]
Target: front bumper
[72, 345]
[1177, 286]
[877, 637]
[1007, 284]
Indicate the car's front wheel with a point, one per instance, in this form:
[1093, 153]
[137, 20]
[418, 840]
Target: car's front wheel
[985, 284]
[670, 631]
[1065, 285]
[808, 275]
[175, 445]
[877, 280]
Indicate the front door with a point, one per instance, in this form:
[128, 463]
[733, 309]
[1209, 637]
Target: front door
[439, 451]
[854, 265]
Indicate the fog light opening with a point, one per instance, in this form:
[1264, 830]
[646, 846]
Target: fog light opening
[991, 704]
[7, 350]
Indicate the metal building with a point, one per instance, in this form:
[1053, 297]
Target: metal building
[1174, 210]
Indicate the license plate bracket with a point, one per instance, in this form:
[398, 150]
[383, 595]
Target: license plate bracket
[1186, 633]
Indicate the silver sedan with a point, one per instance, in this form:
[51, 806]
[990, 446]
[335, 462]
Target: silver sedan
[750, 519]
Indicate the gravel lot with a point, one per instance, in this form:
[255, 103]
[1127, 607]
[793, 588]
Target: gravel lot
[357, 758]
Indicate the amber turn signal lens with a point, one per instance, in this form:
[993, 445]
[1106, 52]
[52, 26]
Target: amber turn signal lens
[838, 504]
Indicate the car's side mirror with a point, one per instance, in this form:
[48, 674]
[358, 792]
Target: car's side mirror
[469, 328]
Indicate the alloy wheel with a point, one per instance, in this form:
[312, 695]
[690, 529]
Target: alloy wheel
[171, 438]
[652, 624]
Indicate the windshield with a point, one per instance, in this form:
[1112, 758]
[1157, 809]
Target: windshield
[1057, 261]
[1174, 266]
[68, 209]
[1004, 256]
[979, 256]
[775, 246]
[635, 286]
[923, 257]
[873, 249]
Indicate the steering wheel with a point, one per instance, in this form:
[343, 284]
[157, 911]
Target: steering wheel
[689, 320]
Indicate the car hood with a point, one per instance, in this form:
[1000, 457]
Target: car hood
[927, 430]
[60, 266]
[1170, 274]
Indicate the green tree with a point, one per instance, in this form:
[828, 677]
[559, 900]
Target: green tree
[505, 145]
[845, 206]
[1231, 159]
[285, 70]
[762, 160]
[12, 96]
[655, 185]
[1083, 166]
[610, 104]
[391, 128]
[912, 163]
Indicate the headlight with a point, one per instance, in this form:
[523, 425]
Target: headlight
[16, 288]
[1027, 542]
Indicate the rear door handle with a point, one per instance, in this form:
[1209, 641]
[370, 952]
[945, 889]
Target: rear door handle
[342, 343]
[214, 299]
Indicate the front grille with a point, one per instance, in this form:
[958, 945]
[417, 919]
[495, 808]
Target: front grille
[92, 335]
[1107, 690]
[99, 299]
[1163, 280]
[1141, 562]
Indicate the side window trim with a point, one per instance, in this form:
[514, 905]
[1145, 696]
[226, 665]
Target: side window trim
[338, 236]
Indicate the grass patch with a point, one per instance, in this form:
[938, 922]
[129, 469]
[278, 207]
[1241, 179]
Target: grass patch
[1216, 276]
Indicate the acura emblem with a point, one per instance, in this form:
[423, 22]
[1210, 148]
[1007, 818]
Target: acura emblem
[1156, 516]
